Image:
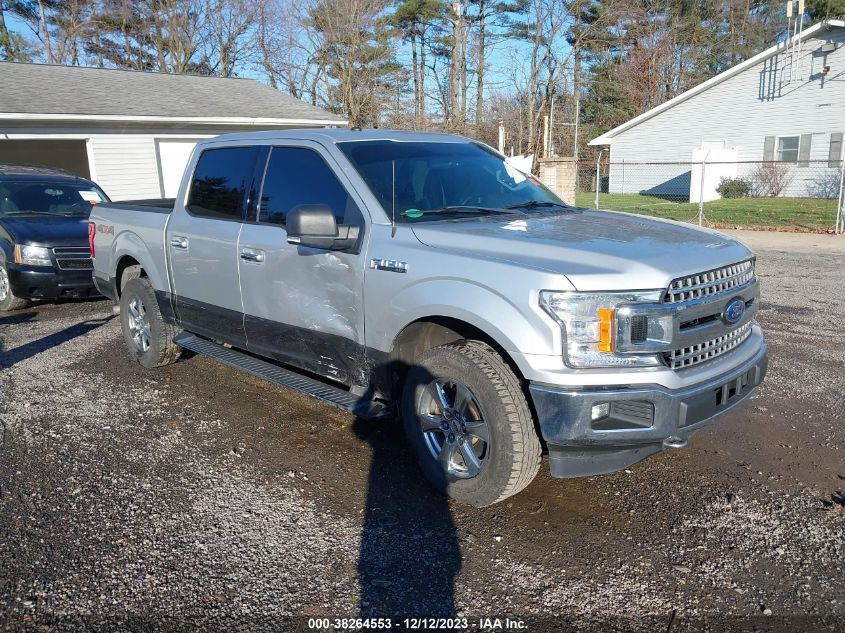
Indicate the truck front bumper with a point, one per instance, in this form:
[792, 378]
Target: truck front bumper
[44, 282]
[595, 431]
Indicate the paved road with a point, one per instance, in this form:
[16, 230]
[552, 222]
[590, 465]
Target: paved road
[198, 497]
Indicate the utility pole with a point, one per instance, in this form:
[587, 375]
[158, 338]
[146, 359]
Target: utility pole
[577, 123]
[545, 152]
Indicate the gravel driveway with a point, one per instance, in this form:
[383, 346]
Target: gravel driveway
[196, 497]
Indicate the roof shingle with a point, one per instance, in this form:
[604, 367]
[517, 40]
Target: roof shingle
[71, 90]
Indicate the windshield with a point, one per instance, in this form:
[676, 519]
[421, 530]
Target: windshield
[45, 197]
[453, 178]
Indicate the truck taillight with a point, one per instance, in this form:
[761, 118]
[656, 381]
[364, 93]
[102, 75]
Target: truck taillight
[92, 230]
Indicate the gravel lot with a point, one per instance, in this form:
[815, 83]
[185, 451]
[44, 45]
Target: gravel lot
[196, 497]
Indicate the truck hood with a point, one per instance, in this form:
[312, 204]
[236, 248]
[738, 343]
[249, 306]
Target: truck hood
[595, 250]
[47, 230]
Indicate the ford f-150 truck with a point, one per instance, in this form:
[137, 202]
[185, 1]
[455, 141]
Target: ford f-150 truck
[424, 275]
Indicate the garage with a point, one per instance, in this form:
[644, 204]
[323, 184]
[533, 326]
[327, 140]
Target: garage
[68, 154]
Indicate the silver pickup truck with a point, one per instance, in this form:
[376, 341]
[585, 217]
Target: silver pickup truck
[422, 275]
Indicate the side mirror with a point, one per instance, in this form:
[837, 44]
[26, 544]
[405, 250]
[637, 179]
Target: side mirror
[314, 225]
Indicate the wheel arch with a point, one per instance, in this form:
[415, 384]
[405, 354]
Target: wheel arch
[432, 331]
[128, 249]
[125, 261]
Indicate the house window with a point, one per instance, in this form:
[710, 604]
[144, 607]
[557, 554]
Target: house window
[835, 154]
[788, 148]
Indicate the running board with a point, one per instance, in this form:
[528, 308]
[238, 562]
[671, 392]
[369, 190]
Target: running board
[359, 405]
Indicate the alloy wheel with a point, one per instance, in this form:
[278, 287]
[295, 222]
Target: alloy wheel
[454, 430]
[4, 283]
[139, 324]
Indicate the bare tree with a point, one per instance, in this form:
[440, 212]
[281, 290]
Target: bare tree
[490, 22]
[290, 48]
[413, 19]
[229, 26]
[770, 179]
[457, 75]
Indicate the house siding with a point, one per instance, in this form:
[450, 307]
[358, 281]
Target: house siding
[741, 111]
[126, 166]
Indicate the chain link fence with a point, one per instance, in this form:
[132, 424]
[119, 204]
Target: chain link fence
[805, 195]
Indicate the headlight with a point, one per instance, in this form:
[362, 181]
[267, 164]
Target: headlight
[32, 255]
[590, 327]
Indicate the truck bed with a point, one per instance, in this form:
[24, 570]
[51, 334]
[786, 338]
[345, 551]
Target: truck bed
[152, 205]
[135, 228]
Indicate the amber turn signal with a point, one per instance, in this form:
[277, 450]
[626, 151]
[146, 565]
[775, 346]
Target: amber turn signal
[606, 319]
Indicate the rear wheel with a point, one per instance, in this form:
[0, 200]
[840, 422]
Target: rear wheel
[467, 419]
[8, 300]
[148, 337]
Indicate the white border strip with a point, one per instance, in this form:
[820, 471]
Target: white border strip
[25, 116]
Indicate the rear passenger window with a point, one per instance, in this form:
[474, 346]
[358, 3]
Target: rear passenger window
[297, 176]
[220, 182]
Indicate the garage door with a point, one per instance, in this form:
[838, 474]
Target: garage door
[172, 158]
[69, 155]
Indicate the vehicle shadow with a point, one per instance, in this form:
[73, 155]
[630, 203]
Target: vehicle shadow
[410, 553]
[10, 357]
[18, 317]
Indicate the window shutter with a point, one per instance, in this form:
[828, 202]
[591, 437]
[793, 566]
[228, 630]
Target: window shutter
[769, 148]
[835, 154]
[804, 150]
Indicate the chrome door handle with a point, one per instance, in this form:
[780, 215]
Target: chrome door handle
[179, 242]
[252, 255]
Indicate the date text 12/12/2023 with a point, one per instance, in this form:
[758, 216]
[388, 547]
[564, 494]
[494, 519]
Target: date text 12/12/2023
[416, 624]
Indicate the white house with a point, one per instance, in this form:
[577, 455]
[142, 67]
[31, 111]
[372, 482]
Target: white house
[785, 104]
[130, 131]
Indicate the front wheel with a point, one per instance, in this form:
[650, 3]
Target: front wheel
[148, 337]
[8, 300]
[467, 419]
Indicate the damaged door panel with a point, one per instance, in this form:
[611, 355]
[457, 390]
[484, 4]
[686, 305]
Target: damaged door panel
[302, 305]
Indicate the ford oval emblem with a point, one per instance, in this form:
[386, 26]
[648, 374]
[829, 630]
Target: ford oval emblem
[734, 310]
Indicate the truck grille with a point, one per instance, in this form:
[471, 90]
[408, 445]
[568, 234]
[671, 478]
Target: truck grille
[75, 264]
[710, 283]
[73, 257]
[707, 350]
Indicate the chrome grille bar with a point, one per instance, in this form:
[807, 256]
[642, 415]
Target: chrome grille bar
[707, 350]
[71, 251]
[73, 257]
[711, 282]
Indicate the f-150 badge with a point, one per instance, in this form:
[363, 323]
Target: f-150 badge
[390, 265]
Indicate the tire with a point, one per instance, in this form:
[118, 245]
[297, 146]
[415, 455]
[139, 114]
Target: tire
[509, 459]
[148, 338]
[8, 301]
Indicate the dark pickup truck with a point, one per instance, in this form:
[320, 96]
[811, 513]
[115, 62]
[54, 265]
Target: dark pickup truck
[44, 251]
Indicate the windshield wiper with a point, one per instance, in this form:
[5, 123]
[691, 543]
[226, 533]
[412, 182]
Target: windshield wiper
[454, 209]
[25, 212]
[534, 204]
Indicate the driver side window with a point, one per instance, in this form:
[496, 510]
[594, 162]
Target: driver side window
[296, 176]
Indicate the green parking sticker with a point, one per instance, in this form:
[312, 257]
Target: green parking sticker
[413, 213]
